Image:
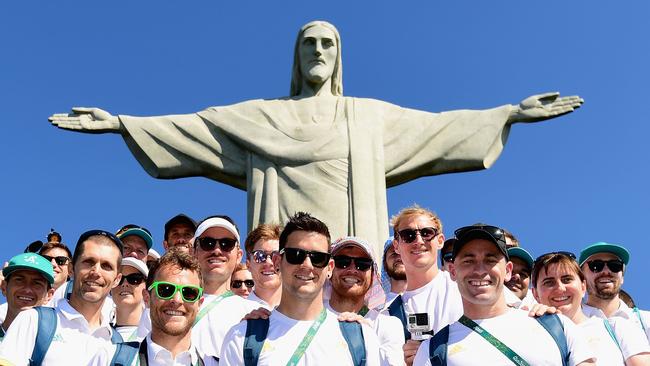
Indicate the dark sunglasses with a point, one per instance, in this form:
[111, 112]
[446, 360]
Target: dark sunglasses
[238, 283]
[208, 244]
[448, 257]
[598, 265]
[133, 279]
[360, 263]
[60, 260]
[167, 290]
[297, 256]
[409, 235]
[260, 256]
[493, 231]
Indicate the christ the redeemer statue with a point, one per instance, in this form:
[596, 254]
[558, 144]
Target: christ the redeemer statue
[317, 150]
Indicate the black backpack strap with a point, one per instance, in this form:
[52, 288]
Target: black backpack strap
[396, 309]
[47, 324]
[438, 347]
[125, 353]
[256, 331]
[353, 335]
[553, 325]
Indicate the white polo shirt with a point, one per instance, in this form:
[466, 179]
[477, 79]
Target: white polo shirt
[285, 334]
[629, 336]
[641, 319]
[73, 343]
[389, 333]
[253, 297]
[209, 332]
[523, 334]
[156, 356]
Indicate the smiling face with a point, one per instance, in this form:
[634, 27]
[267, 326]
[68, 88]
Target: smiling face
[394, 265]
[605, 284]
[559, 286]
[242, 290]
[217, 264]
[303, 281]
[135, 246]
[61, 273]
[520, 279]
[179, 235]
[126, 294]
[420, 255]
[25, 289]
[480, 271]
[318, 53]
[350, 282]
[264, 273]
[173, 317]
[96, 271]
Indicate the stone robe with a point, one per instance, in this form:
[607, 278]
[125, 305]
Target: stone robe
[331, 156]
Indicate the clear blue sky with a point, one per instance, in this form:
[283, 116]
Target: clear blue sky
[561, 184]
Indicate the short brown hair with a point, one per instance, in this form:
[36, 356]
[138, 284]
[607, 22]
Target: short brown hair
[414, 210]
[303, 221]
[512, 237]
[240, 267]
[562, 260]
[262, 232]
[52, 245]
[175, 257]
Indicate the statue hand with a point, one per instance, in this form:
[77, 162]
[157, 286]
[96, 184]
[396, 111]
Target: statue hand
[544, 106]
[90, 120]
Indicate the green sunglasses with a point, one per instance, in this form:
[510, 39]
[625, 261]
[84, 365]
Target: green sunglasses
[167, 290]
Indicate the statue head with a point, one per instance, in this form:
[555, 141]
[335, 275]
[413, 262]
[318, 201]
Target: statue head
[297, 71]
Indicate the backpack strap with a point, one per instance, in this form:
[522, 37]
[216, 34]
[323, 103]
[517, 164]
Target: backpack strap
[116, 337]
[125, 353]
[256, 331]
[68, 290]
[47, 324]
[353, 335]
[396, 309]
[553, 325]
[438, 347]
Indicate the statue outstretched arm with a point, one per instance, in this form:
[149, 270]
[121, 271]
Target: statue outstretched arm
[544, 106]
[89, 120]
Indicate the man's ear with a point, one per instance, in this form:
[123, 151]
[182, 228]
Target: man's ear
[48, 296]
[117, 280]
[508, 276]
[165, 245]
[441, 241]
[145, 296]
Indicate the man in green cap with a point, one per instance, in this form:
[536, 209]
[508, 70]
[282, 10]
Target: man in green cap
[137, 241]
[28, 283]
[604, 267]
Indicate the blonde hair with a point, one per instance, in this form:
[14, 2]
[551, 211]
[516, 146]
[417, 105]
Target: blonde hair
[414, 210]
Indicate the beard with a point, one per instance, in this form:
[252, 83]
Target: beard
[604, 292]
[396, 274]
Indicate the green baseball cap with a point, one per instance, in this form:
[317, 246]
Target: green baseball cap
[131, 229]
[30, 261]
[521, 253]
[602, 247]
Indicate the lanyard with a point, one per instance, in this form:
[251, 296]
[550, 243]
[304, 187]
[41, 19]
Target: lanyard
[143, 356]
[211, 305]
[363, 311]
[611, 332]
[302, 347]
[638, 315]
[133, 335]
[512, 355]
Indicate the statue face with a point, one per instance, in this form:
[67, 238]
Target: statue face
[318, 54]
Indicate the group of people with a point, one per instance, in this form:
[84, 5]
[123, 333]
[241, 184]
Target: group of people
[293, 295]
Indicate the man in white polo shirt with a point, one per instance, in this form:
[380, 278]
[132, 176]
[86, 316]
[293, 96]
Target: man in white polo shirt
[79, 323]
[261, 244]
[489, 332]
[604, 267]
[300, 331]
[216, 247]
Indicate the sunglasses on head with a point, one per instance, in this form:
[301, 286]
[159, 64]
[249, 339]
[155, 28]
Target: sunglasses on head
[546, 255]
[360, 263]
[409, 235]
[167, 290]
[260, 256]
[238, 283]
[496, 232]
[597, 265]
[297, 256]
[448, 257]
[208, 244]
[133, 279]
[59, 260]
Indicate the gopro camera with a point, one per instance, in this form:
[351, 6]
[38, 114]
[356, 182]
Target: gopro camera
[418, 325]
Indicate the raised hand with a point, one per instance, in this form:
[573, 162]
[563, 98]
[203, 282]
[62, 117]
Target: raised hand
[544, 106]
[89, 120]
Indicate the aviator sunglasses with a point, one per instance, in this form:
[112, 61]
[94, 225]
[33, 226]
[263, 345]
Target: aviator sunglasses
[239, 283]
[208, 244]
[260, 256]
[60, 260]
[167, 290]
[133, 279]
[360, 263]
[297, 256]
[598, 265]
[426, 233]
